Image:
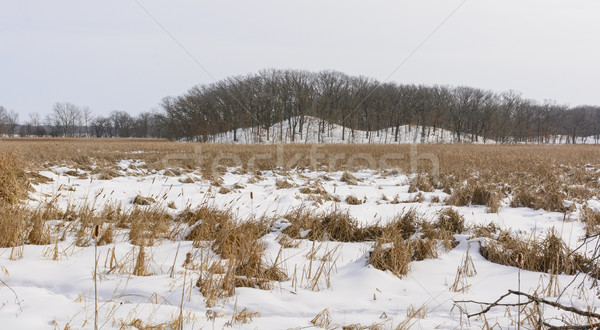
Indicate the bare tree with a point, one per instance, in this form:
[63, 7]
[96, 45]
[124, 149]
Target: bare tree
[67, 115]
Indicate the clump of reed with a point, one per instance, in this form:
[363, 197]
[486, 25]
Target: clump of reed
[591, 220]
[422, 183]
[283, 184]
[353, 200]
[548, 197]
[328, 226]
[239, 244]
[450, 220]
[14, 181]
[349, 178]
[143, 200]
[391, 254]
[13, 225]
[549, 255]
[475, 193]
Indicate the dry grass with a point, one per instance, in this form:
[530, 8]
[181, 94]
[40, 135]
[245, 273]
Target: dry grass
[392, 254]
[548, 197]
[146, 225]
[349, 179]
[474, 193]
[550, 255]
[13, 225]
[14, 181]
[334, 225]
[421, 183]
[141, 200]
[410, 238]
[450, 220]
[353, 200]
[591, 219]
[559, 172]
[238, 243]
[18, 224]
[322, 320]
[283, 184]
[540, 177]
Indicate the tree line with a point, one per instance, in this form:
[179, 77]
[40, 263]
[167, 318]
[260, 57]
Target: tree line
[361, 103]
[70, 120]
[270, 96]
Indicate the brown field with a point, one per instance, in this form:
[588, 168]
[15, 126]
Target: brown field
[452, 157]
[539, 177]
[527, 171]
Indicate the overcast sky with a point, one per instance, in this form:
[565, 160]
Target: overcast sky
[112, 55]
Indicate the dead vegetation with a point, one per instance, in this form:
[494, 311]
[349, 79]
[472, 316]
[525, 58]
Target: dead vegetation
[476, 194]
[548, 255]
[591, 220]
[283, 184]
[14, 181]
[141, 200]
[410, 238]
[422, 183]
[349, 179]
[536, 176]
[239, 244]
[477, 176]
[353, 200]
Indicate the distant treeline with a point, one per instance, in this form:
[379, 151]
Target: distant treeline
[358, 102]
[354, 102]
[70, 120]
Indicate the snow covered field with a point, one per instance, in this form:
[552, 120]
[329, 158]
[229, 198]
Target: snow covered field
[328, 283]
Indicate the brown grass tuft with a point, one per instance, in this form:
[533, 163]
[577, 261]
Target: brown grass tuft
[141, 266]
[224, 190]
[107, 236]
[335, 225]
[39, 234]
[239, 243]
[550, 255]
[322, 320]
[476, 194]
[349, 179]
[141, 200]
[450, 220]
[283, 184]
[523, 197]
[146, 225]
[353, 200]
[591, 219]
[14, 182]
[393, 254]
[548, 197]
[13, 225]
[420, 183]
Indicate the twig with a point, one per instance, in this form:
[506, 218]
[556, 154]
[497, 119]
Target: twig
[556, 305]
[537, 301]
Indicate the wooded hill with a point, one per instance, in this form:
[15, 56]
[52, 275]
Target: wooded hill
[360, 103]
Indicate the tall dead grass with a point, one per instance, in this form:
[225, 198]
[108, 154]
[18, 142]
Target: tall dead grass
[239, 244]
[14, 181]
[475, 193]
[549, 255]
[556, 172]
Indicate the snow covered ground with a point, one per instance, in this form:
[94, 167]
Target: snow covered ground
[313, 131]
[55, 293]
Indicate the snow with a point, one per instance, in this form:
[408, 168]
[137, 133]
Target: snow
[316, 130]
[313, 131]
[60, 292]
